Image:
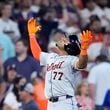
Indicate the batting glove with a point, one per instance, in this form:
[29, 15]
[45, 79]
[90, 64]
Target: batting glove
[86, 38]
[33, 26]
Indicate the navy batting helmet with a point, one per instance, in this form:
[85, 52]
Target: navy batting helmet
[73, 48]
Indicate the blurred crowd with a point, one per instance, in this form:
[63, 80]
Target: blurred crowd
[21, 76]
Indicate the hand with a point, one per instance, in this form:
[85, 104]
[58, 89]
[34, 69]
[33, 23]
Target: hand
[86, 38]
[33, 26]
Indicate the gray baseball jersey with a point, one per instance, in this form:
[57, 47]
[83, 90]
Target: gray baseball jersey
[59, 74]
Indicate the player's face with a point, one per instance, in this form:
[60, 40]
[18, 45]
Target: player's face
[63, 41]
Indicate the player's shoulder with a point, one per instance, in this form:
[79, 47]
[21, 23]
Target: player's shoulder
[71, 57]
[53, 55]
[49, 54]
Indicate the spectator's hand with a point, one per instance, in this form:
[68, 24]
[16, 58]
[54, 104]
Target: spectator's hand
[86, 39]
[33, 26]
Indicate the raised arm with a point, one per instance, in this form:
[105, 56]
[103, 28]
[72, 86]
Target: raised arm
[34, 27]
[86, 38]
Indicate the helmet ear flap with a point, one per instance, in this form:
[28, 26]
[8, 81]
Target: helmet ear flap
[73, 48]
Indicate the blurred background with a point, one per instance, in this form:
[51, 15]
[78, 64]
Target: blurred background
[55, 16]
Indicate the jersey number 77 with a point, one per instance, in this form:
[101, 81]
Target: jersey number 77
[57, 75]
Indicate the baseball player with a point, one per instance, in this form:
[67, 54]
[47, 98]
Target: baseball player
[59, 87]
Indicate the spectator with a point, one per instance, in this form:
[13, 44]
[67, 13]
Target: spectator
[25, 64]
[82, 96]
[26, 95]
[12, 101]
[11, 74]
[22, 15]
[39, 83]
[99, 81]
[91, 9]
[78, 3]
[103, 4]
[1, 62]
[36, 5]
[69, 20]
[107, 101]
[71, 25]
[7, 47]
[97, 44]
[3, 91]
[25, 5]
[47, 16]
[7, 25]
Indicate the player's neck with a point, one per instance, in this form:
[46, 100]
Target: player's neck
[62, 53]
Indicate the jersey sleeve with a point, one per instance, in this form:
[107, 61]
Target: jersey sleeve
[73, 61]
[43, 58]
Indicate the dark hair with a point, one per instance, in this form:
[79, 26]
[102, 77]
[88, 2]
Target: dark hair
[24, 41]
[94, 18]
[42, 12]
[73, 48]
[87, 1]
[15, 89]
[4, 4]
[1, 79]
[17, 80]
[101, 58]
